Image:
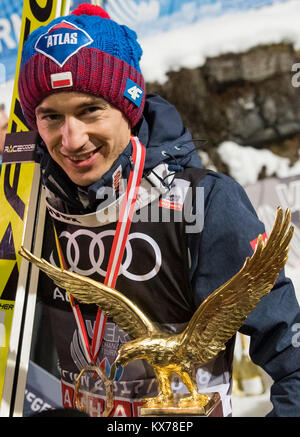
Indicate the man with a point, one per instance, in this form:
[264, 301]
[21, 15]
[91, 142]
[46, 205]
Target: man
[3, 129]
[81, 87]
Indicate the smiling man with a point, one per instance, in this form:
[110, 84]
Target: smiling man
[84, 134]
[82, 88]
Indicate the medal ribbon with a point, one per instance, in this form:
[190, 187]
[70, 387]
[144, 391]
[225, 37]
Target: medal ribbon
[116, 255]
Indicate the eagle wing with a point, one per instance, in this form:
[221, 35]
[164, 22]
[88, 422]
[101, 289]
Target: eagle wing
[124, 312]
[219, 317]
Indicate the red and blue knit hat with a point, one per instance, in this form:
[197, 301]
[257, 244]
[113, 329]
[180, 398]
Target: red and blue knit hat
[85, 52]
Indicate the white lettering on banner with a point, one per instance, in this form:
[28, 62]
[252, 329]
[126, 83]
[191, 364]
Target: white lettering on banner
[16, 24]
[138, 385]
[37, 404]
[94, 404]
[20, 148]
[115, 334]
[91, 405]
[96, 257]
[5, 35]
[119, 411]
[67, 398]
[266, 215]
[124, 390]
[289, 195]
[57, 294]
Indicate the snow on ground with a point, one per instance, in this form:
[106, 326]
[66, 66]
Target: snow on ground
[233, 32]
[245, 163]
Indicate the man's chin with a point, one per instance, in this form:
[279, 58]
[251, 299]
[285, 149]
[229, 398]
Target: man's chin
[84, 180]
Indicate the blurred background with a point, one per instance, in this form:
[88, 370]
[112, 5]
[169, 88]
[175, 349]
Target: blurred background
[232, 69]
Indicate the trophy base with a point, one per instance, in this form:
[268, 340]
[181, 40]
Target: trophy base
[212, 408]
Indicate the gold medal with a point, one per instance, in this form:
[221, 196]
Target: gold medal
[108, 384]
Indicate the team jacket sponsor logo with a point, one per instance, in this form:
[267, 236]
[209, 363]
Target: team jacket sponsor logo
[62, 41]
[96, 250]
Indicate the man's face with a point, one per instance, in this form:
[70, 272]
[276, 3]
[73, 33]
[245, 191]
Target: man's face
[83, 134]
[3, 129]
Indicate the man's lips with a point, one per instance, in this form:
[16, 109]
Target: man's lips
[82, 157]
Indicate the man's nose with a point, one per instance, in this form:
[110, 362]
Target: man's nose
[73, 135]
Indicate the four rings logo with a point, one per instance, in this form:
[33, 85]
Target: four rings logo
[74, 255]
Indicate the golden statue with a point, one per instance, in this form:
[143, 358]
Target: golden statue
[215, 321]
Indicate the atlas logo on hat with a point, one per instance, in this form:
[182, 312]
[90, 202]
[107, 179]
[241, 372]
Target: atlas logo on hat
[62, 41]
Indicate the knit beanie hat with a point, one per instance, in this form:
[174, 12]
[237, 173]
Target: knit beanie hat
[85, 52]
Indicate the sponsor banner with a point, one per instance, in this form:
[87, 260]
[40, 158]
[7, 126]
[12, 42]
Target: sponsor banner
[148, 17]
[10, 30]
[94, 404]
[20, 147]
[43, 391]
[266, 195]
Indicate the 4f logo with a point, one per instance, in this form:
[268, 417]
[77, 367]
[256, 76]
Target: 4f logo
[133, 92]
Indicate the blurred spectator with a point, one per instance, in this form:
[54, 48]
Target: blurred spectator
[3, 129]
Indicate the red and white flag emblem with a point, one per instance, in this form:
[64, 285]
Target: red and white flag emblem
[61, 80]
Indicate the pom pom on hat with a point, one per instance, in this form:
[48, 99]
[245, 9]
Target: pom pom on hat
[88, 9]
[86, 52]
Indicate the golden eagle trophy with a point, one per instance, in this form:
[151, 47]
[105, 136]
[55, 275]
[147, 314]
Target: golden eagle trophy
[215, 321]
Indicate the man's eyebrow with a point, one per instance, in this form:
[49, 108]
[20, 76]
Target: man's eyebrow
[91, 101]
[40, 110]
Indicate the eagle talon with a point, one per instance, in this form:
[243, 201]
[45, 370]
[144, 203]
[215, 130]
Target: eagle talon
[197, 400]
[158, 401]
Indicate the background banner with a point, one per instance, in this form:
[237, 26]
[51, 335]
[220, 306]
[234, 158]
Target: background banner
[165, 15]
[266, 195]
[43, 391]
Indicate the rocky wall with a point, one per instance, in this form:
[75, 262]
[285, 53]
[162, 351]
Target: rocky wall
[248, 98]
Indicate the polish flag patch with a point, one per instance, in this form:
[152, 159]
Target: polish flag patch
[61, 80]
